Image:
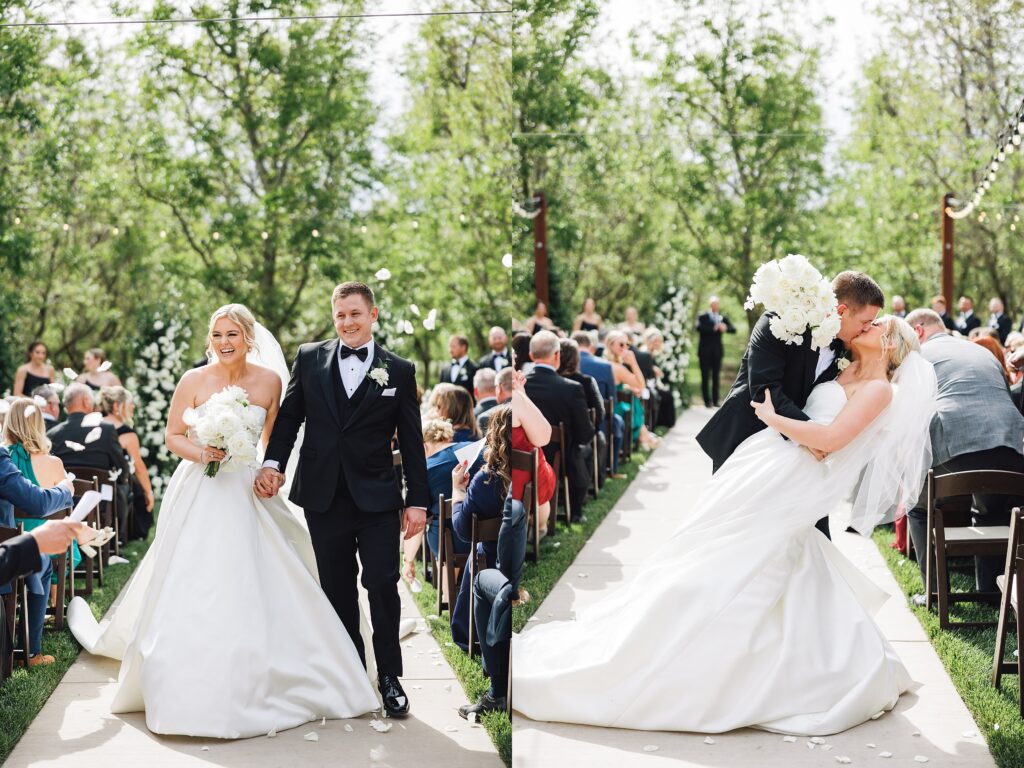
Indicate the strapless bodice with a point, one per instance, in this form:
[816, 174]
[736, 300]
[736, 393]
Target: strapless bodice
[826, 401]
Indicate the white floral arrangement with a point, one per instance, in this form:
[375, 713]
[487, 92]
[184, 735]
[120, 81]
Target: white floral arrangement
[672, 318]
[799, 297]
[228, 422]
[161, 356]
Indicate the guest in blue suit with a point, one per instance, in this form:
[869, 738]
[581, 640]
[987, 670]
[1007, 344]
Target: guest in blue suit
[604, 375]
[483, 495]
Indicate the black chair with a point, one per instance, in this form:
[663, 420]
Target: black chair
[482, 532]
[109, 510]
[1011, 584]
[16, 615]
[625, 396]
[449, 563]
[609, 424]
[65, 586]
[952, 535]
[90, 567]
[595, 475]
[529, 461]
[561, 476]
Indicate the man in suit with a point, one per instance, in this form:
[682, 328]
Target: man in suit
[503, 385]
[461, 369]
[788, 371]
[483, 390]
[939, 308]
[84, 439]
[562, 402]
[499, 356]
[711, 325]
[601, 371]
[967, 321]
[999, 320]
[353, 396]
[975, 427]
[50, 411]
[899, 306]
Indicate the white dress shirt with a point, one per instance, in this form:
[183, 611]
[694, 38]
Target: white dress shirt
[353, 370]
[825, 357]
[457, 366]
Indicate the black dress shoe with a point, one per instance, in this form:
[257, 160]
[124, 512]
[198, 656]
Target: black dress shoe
[396, 703]
[484, 704]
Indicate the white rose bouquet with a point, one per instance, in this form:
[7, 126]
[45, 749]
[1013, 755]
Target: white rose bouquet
[230, 423]
[799, 297]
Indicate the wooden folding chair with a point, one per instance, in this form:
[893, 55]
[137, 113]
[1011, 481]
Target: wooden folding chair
[952, 535]
[108, 510]
[561, 475]
[529, 461]
[625, 396]
[449, 564]
[482, 532]
[90, 566]
[594, 460]
[609, 425]
[16, 615]
[1011, 585]
[60, 570]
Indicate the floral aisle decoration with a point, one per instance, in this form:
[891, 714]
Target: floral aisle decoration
[672, 318]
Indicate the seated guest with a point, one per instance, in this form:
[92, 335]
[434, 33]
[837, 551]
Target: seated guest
[628, 378]
[998, 319]
[77, 444]
[35, 372]
[530, 429]
[562, 402]
[118, 408]
[97, 371]
[482, 495]
[484, 390]
[461, 369]
[539, 320]
[521, 352]
[588, 319]
[499, 356]
[601, 372]
[939, 308]
[440, 450]
[665, 411]
[899, 306]
[51, 411]
[967, 321]
[992, 345]
[982, 330]
[503, 383]
[24, 437]
[455, 404]
[569, 367]
[632, 324]
[496, 590]
[976, 426]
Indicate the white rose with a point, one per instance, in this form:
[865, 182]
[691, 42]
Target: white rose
[239, 445]
[794, 320]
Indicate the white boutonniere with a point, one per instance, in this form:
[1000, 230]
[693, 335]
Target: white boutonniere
[843, 363]
[379, 375]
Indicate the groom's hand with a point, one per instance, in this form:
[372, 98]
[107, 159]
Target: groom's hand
[414, 520]
[268, 482]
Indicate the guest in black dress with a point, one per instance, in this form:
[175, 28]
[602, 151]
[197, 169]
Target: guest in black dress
[35, 372]
[118, 408]
[97, 373]
[588, 319]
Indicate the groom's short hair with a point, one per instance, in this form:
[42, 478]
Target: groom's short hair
[347, 289]
[855, 289]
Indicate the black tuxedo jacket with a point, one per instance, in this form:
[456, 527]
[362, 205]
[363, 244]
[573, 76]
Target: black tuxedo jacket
[1003, 327]
[361, 447]
[966, 325]
[787, 370]
[103, 453]
[464, 378]
[710, 344]
[563, 402]
[487, 361]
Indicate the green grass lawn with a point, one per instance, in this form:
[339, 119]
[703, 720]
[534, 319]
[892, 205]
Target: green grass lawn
[23, 695]
[967, 657]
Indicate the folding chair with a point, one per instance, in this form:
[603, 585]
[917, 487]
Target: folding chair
[561, 475]
[529, 461]
[1011, 584]
[482, 532]
[90, 566]
[16, 615]
[625, 396]
[60, 570]
[449, 563]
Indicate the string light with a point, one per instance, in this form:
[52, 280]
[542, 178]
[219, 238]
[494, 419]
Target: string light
[1005, 144]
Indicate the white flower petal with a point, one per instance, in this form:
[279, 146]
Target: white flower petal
[817, 740]
[349, 728]
[69, 373]
[970, 734]
[789, 739]
[94, 435]
[842, 760]
[885, 754]
[93, 419]
[312, 736]
[383, 274]
[39, 401]
[878, 715]
[708, 740]
[74, 446]
[105, 366]
[30, 411]
[450, 728]
[380, 726]
[272, 733]
[378, 754]
[920, 759]
[651, 748]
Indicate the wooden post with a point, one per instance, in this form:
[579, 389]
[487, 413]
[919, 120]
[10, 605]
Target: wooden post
[947, 252]
[540, 248]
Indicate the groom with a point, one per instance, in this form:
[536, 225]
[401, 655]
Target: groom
[353, 396]
[789, 371]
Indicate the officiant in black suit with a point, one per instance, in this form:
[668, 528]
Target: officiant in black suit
[788, 371]
[461, 370]
[353, 395]
[711, 325]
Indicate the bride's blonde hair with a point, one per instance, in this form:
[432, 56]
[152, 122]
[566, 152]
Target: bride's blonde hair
[242, 317]
[898, 341]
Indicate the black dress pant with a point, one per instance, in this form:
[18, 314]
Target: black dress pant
[710, 373]
[338, 536]
[988, 509]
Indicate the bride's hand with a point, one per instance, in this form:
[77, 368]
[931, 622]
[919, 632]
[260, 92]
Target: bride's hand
[209, 453]
[764, 410]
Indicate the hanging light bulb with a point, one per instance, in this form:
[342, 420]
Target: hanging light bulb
[991, 175]
[1001, 156]
[17, 220]
[1016, 139]
[1009, 148]
[315, 233]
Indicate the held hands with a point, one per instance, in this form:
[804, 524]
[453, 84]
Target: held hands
[268, 482]
[414, 520]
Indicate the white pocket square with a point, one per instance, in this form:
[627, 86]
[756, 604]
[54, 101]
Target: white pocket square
[389, 392]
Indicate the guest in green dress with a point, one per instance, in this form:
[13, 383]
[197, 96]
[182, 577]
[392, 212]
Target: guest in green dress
[628, 377]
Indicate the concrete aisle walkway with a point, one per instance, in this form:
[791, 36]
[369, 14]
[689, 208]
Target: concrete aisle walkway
[930, 720]
[76, 730]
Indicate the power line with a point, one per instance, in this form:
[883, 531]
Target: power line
[219, 20]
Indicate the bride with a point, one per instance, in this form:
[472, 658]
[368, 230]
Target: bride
[748, 616]
[223, 631]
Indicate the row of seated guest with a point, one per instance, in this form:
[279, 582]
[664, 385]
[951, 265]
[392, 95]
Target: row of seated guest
[462, 369]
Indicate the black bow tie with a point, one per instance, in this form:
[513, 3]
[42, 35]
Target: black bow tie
[361, 353]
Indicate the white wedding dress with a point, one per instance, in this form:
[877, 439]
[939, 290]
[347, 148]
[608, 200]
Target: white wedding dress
[224, 631]
[747, 616]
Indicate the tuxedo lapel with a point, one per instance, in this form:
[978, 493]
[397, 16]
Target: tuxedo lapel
[373, 390]
[328, 357]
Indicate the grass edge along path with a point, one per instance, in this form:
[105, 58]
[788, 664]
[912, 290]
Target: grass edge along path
[25, 693]
[966, 656]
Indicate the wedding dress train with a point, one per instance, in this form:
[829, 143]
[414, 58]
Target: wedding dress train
[746, 616]
[224, 631]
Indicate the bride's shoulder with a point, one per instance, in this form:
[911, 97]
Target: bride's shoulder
[878, 390]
